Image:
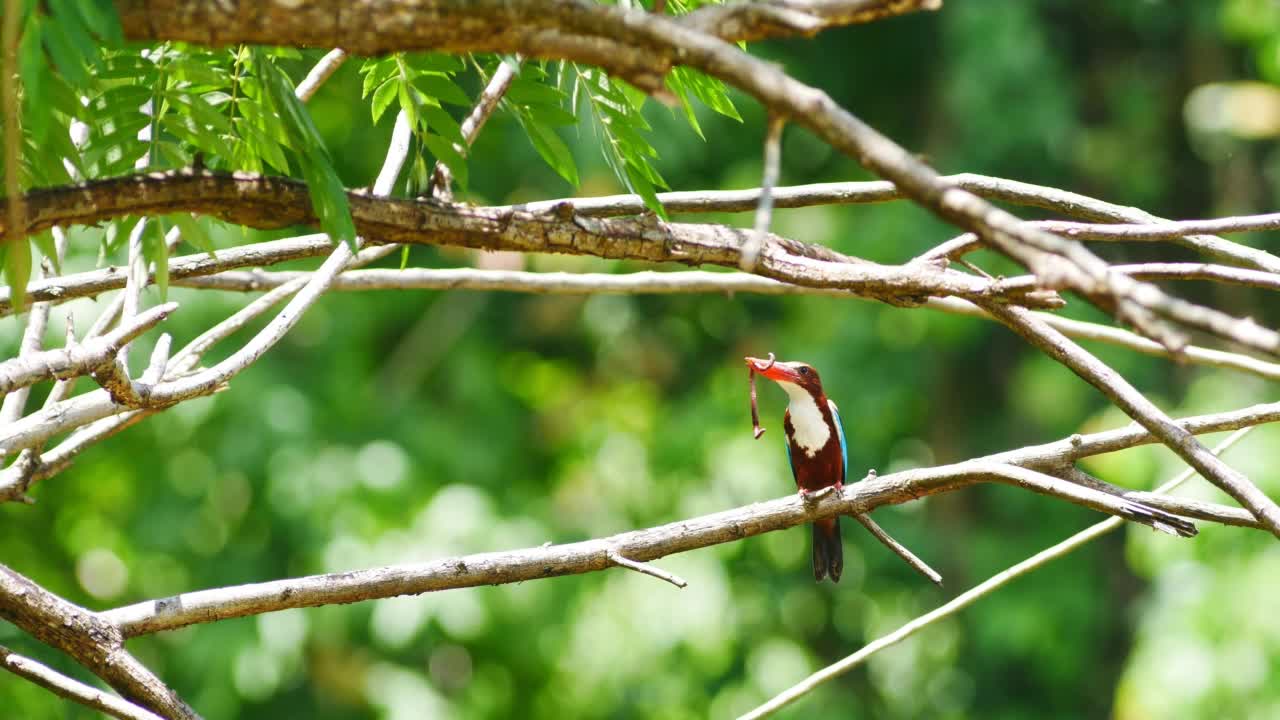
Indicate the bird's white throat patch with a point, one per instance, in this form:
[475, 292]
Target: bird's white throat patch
[811, 431]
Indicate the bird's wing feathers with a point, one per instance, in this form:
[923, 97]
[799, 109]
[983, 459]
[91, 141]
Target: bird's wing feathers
[844, 446]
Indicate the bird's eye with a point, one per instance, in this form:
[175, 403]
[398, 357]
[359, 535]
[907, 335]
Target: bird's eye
[804, 370]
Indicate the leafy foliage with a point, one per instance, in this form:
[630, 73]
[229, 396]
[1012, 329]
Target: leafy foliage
[420, 84]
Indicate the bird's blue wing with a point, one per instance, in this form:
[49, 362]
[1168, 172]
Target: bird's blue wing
[787, 444]
[844, 446]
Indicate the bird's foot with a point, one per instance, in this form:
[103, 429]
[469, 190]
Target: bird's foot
[813, 497]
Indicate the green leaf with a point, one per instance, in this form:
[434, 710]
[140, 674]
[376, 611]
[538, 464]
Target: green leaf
[214, 98]
[171, 154]
[44, 241]
[127, 66]
[677, 86]
[58, 95]
[445, 152]
[434, 62]
[383, 96]
[156, 250]
[329, 199]
[552, 115]
[66, 56]
[328, 196]
[118, 233]
[100, 16]
[404, 257]
[264, 120]
[443, 123]
[196, 106]
[711, 91]
[441, 88]
[375, 72]
[196, 135]
[121, 100]
[408, 103]
[261, 145]
[69, 24]
[36, 78]
[199, 70]
[419, 178]
[553, 151]
[525, 91]
[284, 52]
[192, 232]
[640, 185]
[17, 271]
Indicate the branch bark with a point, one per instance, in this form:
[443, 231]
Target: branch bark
[94, 643]
[267, 203]
[70, 688]
[1137, 406]
[81, 359]
[383, 26]
[1026, 467]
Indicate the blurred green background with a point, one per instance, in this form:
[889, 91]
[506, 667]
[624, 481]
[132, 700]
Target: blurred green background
[399, 427]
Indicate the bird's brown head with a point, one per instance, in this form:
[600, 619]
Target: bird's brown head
[793, 373]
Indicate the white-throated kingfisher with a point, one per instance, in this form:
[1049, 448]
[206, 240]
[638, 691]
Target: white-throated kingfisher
[816, 448]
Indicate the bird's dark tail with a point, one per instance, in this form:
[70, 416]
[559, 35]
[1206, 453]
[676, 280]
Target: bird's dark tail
[828, 552]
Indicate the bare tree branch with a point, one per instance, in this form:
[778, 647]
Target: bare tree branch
[1137, 406]
[93, 282]
[387, 25]
[1123, 338]
[319, 74]
[276, 202]
[617, 558]
[81, 359]
[899, 549]
[691, 281]
[764, 209]
[965, 599]
[15, 399]
[85, 636]
[1186, 507]
[848, 193]
[71, 689]
[496, 568]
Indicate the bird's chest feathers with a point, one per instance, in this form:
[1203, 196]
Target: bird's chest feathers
[808, 427]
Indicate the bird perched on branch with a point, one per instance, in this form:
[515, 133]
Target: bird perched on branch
[816, 449]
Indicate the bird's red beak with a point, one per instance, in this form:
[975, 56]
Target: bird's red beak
[772, 369]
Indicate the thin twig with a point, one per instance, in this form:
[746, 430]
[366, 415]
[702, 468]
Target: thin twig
[137, 278]
[769, 179]
[72, 689]
[81, 359]
[441, 175]
[646, 569]
[319, 73]
[899, 549]
[690, 281]
[15, 402]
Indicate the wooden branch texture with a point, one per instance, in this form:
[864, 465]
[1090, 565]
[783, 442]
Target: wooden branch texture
[269, 202]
